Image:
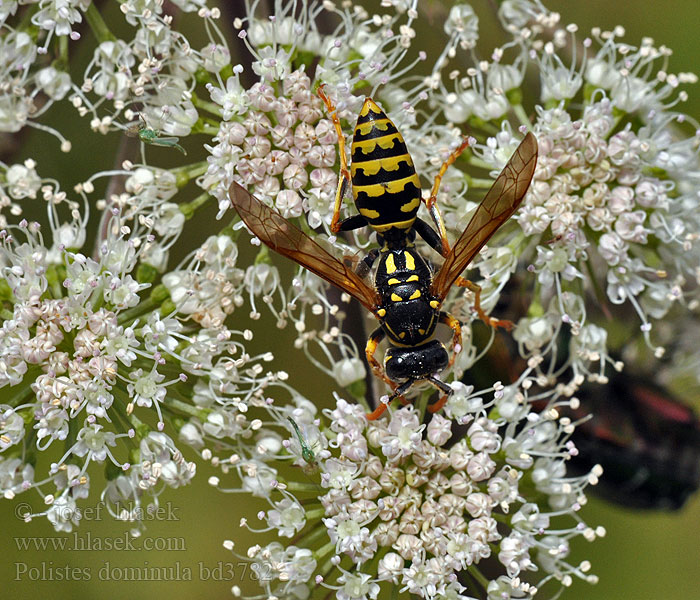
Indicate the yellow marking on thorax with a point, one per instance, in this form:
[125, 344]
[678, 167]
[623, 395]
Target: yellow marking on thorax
[390, 264]
[434, 304]
[410, 263]
[390, 187]
[393, 281]
[369, 213]
[414, 295]
[396, 298]
[381, 124]
[393, 333]
[394, 336]
[412, 278]
[390, 163]
[385, 142]
[381, 312]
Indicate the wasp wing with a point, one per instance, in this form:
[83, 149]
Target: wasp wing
[279, 234]
[500, 203]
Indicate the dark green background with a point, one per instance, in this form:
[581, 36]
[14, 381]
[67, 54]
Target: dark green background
[645, 556]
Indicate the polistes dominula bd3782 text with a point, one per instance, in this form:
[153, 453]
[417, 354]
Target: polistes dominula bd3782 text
[406, 296]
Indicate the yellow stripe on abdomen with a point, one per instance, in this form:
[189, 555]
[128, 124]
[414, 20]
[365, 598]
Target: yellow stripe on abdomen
[390, 187]
[379, 228]
[372, 167]
[381, 124]
[385, 142]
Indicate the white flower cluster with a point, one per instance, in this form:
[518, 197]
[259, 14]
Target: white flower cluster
[608, 212]
[83, 351]
[98, 342]
[423, 506]
[282, 145]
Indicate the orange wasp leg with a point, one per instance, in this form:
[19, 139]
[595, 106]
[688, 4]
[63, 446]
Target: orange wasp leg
[431, 203]
[374, 340]
[444, 388]
[344, 178]
[490, 321]
[377, 412]
[456, 326]
[387, 400]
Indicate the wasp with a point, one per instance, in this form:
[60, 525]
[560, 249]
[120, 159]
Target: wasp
[387, 192]
[407, 296]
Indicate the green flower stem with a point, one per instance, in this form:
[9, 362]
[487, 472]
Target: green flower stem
[325, 551]
[522, 115]
[22, 392]
[144, 307]
[189, 208]
[479, 576]
[61, 62]
[183, 407]
[599, 294]
[263, 256]
[485, 126]
[394, 592]
[54, 278]
[536, 309]
[98, 26]
[183, 175]
[131, 421]
[210, 107]
[422, 404]
[208, 129]
[363, 401]
[298, 486]
[480, 183]
[121, 423]
[317, 533]
[315, 513]
[479, 163]
[229, 231]
[25, 23]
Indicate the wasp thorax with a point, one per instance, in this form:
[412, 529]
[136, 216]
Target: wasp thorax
[403, 281]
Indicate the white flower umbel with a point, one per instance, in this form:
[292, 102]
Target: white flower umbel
[414, 509]
[91, 351]
[112, 356]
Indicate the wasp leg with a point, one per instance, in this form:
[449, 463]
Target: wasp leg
[490, 321]
[431, 203]
[431, 236]
[365, 266]
[383, 405]
[374, 340]
[456, 327]
[443, 387]
[344, 176]
[353, 222]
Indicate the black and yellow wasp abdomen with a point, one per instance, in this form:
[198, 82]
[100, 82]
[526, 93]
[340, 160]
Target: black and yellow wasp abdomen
[385, 186]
